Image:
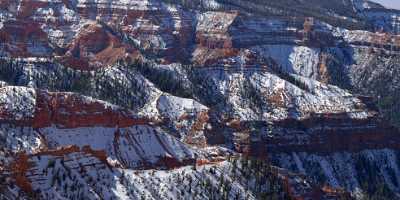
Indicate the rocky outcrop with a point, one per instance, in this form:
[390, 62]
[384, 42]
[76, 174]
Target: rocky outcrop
[321, 135]
[41, 109]
[87, 35]
[195, 83]
[18, 170]
[70, 110]
[97, 46]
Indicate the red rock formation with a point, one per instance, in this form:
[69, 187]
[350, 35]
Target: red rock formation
[296, 189]
[4, 114]
[172, 163]
[18, 171]
[324, 134]
[96, 47]
[68, 110]
[206, 56]
[22, 163]
[28, 7]
[99, 154]
[60, 151]
[198, 126]
[30, 37]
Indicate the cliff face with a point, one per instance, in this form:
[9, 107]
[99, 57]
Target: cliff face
[91, 90]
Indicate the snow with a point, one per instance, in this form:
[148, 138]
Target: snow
[132, 146]
[224, 92]
[175, 107]
[18, 103]
[361, 5]
[215, 21]
[301, 60]
[20, 138]
[388, 20]
[94, 180]
[99, 138]
[3, 84]
[151, 145]
[315, 98]
[328, 171]
[340, 168]
[299, 165]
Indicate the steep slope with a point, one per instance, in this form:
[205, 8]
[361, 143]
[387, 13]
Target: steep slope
[94, 157]
[109, 95]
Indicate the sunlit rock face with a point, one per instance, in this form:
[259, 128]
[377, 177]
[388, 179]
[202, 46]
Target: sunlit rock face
[160, 99]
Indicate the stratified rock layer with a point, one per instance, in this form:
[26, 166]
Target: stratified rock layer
[195, 88]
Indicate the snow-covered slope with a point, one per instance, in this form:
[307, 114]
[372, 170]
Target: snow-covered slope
[151, 99]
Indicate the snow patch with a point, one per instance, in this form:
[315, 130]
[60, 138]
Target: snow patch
[17, 103]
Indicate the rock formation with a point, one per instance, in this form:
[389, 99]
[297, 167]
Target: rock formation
[202, 99]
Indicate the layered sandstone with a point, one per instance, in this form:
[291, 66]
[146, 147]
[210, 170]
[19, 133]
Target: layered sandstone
[69, 110]
[194, 84]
